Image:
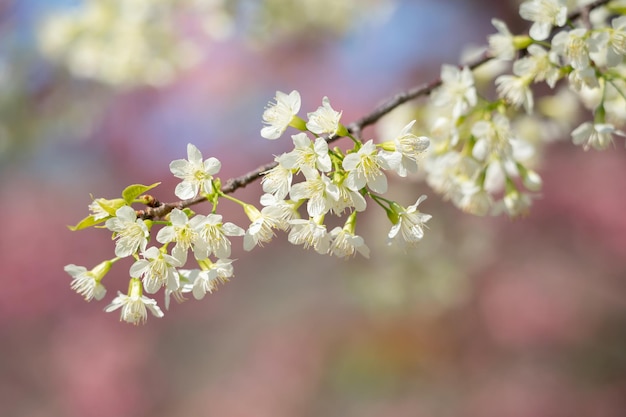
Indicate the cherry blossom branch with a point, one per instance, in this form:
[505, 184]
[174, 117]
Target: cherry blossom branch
[229, 187]
[356, 127]
[160, 210]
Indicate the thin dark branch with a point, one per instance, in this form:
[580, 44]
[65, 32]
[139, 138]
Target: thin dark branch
[354, 128]
[403, 97]
[230, 186]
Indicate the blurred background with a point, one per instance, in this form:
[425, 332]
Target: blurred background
[487, 317]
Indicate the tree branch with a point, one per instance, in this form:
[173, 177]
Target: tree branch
[355, 127]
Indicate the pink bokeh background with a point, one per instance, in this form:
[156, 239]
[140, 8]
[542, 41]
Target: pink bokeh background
[487, 317]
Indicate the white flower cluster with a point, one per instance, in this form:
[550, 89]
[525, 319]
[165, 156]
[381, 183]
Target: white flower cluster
[482, 151]
[479, 154]
[333, 180]
[126, 43]
[334, 183]
[154, 268]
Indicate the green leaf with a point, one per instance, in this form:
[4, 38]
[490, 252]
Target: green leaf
[131, 192]
[85, 223]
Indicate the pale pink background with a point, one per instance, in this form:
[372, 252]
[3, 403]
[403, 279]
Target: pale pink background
[487, 318]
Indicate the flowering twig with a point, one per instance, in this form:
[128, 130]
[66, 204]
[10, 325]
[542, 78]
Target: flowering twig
[230, 186]
[354, 128]
[479, 161]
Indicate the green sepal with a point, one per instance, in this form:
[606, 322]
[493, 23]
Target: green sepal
[387, 146]
[85, 223]
[298, 123]
[131, 192]
[189, 212]
[393, 213]
[341, 131]
[217, 184]
[522, 41]
[111, 206]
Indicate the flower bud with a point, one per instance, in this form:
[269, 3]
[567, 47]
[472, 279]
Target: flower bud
[532, 180]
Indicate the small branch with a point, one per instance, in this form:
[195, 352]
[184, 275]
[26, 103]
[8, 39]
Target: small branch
[240, 182]
[230, 186]
[354, 128]
[584, 17]
[403, 97]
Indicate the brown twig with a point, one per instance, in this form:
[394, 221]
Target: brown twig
[354, 128]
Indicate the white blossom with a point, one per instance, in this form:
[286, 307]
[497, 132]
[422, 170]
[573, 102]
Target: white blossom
[308, 156]
[309, 233]
[280, 210]
[586, 78]
[539, 64]
[277, 116]
[277, 180]
[573, 46]
[88, 282]
[119, 42]
[501, 44]
[197, 174]
[457, 90]
[347, 198]
[545, 14]
[157, 269]
[451, 173]
[345, 243]
[213, 236]
[444, 132]
[131, 233]
[610, 44]
[492, 138]
[320, 192]
[516, 90]
[206, 281]
[616, 51]
[185, 287]
[134, 305]
[324, 120]
[598, 136]
[97, 211]
[182, 232]
[261, 230]
[364, 168]
[409, 228]
[407, 148]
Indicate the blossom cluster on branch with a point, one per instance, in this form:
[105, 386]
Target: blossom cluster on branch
[478, 153]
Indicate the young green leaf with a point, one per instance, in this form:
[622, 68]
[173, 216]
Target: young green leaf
[85, 223]
[131, 192]
[111, 206]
